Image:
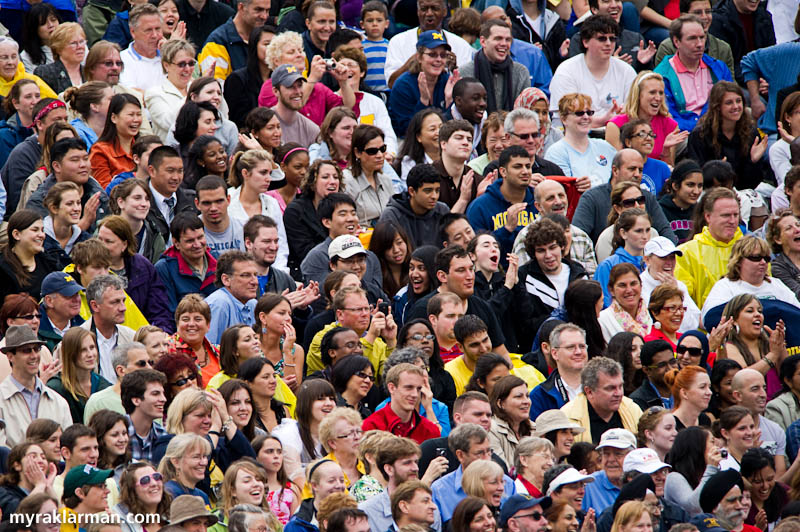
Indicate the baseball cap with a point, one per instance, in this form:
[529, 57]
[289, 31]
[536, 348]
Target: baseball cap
[85, 475]
[617, 438]
[518, 502]
[568, 476]
[661, 246]
[345, 246]
[286, 75]
[707, 523]
[61, 283]
[643, 460]
[432, 39]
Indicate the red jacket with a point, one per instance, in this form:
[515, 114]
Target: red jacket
[386, 419]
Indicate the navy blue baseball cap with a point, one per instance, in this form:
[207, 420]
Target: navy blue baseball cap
[60, 282]
[432, 39]
[518, 502]
[707, 523]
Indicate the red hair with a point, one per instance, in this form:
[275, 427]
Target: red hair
[682, 380]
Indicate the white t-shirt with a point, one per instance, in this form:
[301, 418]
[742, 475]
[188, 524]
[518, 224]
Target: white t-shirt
[724, 290]
[141, 72]
[560, 281]
[594, 163]
[573, 76]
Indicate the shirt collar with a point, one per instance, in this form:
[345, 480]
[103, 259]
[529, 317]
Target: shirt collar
[680, 68]
[159, 198]
[39, 387]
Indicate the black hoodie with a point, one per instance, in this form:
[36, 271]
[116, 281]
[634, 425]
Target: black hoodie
[423, 230]
[680, 220]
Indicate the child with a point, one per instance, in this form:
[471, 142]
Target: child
[283, 495]
[374, 21]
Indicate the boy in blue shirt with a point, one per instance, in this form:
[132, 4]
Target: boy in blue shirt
[375, 21]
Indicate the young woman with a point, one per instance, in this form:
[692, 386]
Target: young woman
[193, 318]
[421, 282]
[63, 202]
[206, 157]
[484, 478]
[352, 378]
[194, 120]
[170, 17]
[262, 131]
[489, 279]
[657, 431]
[325, 477]
[632, 516]
[28, 473]
[237, 344]
[562, 518]
[68, 43]
[684, 188]
[393, 247]
[727, 131]
[721, 385]
[54, 132]
[181, 373]
[39, 23]
[90, 101]
[666, 307]
[36, 505]
[209, 90]
[631, 234]
[184, 465]
[371, 483]
[421, 144]
[266, 386]
[243, 85]
[473, 514]
[625, 195]
[626, 348]
[583, 302]
[694, 458]
[19, 110]
[489, 369]
[142, 494]
[627, 312]
[283, 495]
[294, 161]
[768, 496]
[335, 137]
[239, 400]
[78, 380]
[274, 314]
[111, 154]
[510, 416]
[368, 179]
[691, 391]
[244, 483]
[779, 154]
[534, 457]
[112, 439]
[46, 433]
[131, 200]
[739, 432]
[493, 139]
[165, 100]
[23, 263]
[554, 426]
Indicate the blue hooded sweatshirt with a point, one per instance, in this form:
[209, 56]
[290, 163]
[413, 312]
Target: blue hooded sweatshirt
[488, 213]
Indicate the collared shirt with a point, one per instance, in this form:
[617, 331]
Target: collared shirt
[696, 85]
[141, 72]
[666, 401]
[142, 447]
[600, 494]
[58, 331]
[104, 348]
[370, 201]
[32, 398]
[226, 310]
[166, 212]
[379, 513]
[447, 492]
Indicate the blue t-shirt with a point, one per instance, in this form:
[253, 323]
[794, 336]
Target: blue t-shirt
[654, 175]
[594, 163]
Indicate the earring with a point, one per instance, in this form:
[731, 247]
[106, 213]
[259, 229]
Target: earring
[263, 330]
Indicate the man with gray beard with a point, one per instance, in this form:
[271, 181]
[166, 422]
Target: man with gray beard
[722, 496]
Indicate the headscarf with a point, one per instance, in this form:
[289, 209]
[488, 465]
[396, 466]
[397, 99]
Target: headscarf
[700, 335]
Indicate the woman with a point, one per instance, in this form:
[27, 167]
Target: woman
[170, 17]
[554, 426]
[28, 473]
[243, 85]
[78, 380]
[325, 477]
[485, 479]
[300, 436]
[627, 312]
[131, 200]
[22, 309]
[666, 307]
[12, 70]
[46, 433]
[142, 494]
[274, 316]
[691, 392]
[562, 517]
[473, 514]
[270, 393]
[194, 120]
[111, 429]
[154, 340]
[335, 137]
[492, 284]
[283, 495]
[779, 154]
[393, 248]
[768, 496]
[239, 400]
[39, 23]
[193, 318]
[19, 110]
[368, 180]
[261, 131]
[510, 416]
[489, 369]
[144, 286]
[576, 153]
[631, 234]
[68, 43]
[493, 141]
[739, 432]
[293, 160]
[625, 195]
[35, 505]
[782, 232]
[421, 141]
[184, 465]
[419, 333]
[632, 516]
[371, 482]
[111, 154]
[626, 348]
[583, 301]
[721, 385]
[657, 431]
[421, 282]
[785, 408]
[63, 202]
[237, 344]
[646, 101]
[537, 101]
[747, 274]
[427, 83]
[244, 483]
[23, 263]
[209, 90]
[181, 373]
[90, 101]
[726, 131]
[340, 433]
[164, 101]
[533, 458]
[683, 189]
[352, 379]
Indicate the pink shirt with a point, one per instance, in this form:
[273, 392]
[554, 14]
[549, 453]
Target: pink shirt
[696, 85]
[321, 101]
[662, 126]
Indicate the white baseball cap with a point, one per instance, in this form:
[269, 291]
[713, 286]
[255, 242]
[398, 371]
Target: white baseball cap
[643, 460]
[661, 246]
[568, 476]
[345, 246]
[617, 438]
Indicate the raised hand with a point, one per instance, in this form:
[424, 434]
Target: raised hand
[512, 216]
[675, 138]
[512, 273]
[718, 334]
[758, 148]
[644, 55]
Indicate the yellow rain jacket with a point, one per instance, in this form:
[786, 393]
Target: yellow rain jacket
[44, 88]
[134, 318]
[704, 262]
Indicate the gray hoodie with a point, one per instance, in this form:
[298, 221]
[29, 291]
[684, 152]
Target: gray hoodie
[423, 230]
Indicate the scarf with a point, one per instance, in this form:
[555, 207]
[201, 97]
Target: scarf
[640, 324]
[485, 70]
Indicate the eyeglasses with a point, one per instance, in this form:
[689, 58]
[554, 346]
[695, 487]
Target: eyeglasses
[588, 112]
[419, 337]
[673, 309]
[143, 363]
[693, 351]
[349, 345]
[109, 64]
[572, 348]
[362, 375]
[78, 44]
[352, 434]
[606, 38]
[28, 349]
[759, 258]
[535, 516]
[644, 134]
[526, 136]
[374, 151]
[357, 309]
[632, 202]
[29, 317]
[661, 365]
[183, 380]
[434, 55]
[184, 64]
[155, 477]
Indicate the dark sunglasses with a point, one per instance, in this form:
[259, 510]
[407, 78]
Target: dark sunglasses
[143, 363]
[419, 337]
[606, 38]
[581, 113]
[526, 136]
[36, 316]
[109, 64]
[184, 64]
[155, 477]
[759, 258]
[535, 515]
[362, 375]
[693, 351]
[183, 380]
[632, 202]
[374, 151]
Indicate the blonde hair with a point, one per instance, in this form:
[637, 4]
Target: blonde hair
[275, 49]
[171, 49]
[186, 401]
[71, 346]
[745, 247]
[371, 441]
[628, 513]
[229, 488]
[62, 35]
[632, 103]
[246, 160]
[474, 475]
[325, 430]
[179, 446]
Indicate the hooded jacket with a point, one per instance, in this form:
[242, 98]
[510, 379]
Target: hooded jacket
[148, 292]
[423, 229]
[680, 220]
[551, 39]
[179, 279]
[488, 212]
[704, 262]
[11, 134]
[19, 165]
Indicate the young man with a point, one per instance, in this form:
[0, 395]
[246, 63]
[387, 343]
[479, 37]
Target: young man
[223, 233]
[142, 59]
[187, 266]
[23, 395]
[348, 519]
[235, 299]
[568, 351]
[459, 185]
[716, 48]
[79, 448]
[165, 167]
[469, 103]
[125, 358]
[226, 46]
[455, 230]
[473, 338]
[143, 399]
[412, 504]
[287, 86]
[60, 307]
[657, 359]
[85, 494]
[418, 210]
[444, 310]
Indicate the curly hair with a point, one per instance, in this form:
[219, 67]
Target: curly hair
[710, 124]
[310, 181]
[544, 232]
[276, 46]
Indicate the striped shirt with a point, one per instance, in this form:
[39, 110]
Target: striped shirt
[376, 60]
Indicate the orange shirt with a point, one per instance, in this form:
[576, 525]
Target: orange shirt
[109, 159]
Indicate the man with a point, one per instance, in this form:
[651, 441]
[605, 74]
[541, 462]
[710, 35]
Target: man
[533, 22]
[287, 86]
[469, 442]
[191, 514]
[473, 338]
[657, 359]
[705, 257]
[106, 296]
[125, 358]
[507, 205]
[444, 310]
[78, 449]
[522, 127]
[542, 358]
[348, 520]
[564, 484]
[568, 350]
[69, 163]
[788, 196]
[550, 197]
[592, 212]
[23, 396]
[506, 79]
[226, 46]
[235, 300]
[187, 267]
[602, 405]
[459, 185]
[716, 48]
[455, 230]
[335, 345]
[347, 253]
[401, 416]
[418, 210]
[469, 103]
[523, 513]
[85, 494]
[60, 308]
[412, 505]
[142, 393]
[165, 167]
[722, 496]
[22, 160]
[202, 17]
[690, 73]
[614, 446]
[745, 26]
[397, 462]
[223, 233]
[645, 461]
[774, 65]
[262, 242]
[660, 255]
[596, 73]
[142, 58]
[402, 50]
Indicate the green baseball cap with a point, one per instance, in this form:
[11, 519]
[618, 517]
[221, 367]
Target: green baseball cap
[85, 475]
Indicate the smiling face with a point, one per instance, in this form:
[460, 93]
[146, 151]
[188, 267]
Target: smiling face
[9, 59]
[330, 479]
[179, 70]
[689, 191]
[549, 257]
[752, 392]
[115, 440]
[192, 465]
[74, 167]
[322, 407]
[214, 159]
[762, 483]
[321, 24]
[751, 319]
[68, 211]
[497, 45]
[472, 104]
[269, 136]
[517, 405]
[128, 120]
[240, 408]
[612, 8]
[192, 327]
[642, 140]
[407, 392]
[29, 95]
[152, 491]
[342, 136]
[742, 436]
[493, 490]
[567, 521]
[551, 197]
[699, 393]
[327, 182]
[651, 97]
[248, 488]
[732, 107]
[671, 315]
[432, 61]
[429, 133]
[627, 291]
[612, 459]
[398, 252]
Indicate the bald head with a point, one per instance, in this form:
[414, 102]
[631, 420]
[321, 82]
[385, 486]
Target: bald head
[750, 390]
[494, 12]
[550, 196]
[627, 166]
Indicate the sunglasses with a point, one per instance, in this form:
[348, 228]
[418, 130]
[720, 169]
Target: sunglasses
[155, 477]
[759, 258]
[374, 151]
[143, 363]
[29, 317]
[631, 202]
[581, 113]
[184, 64]
[362, 375]
[693, 351]
[110, 64]
[183, 380]
[419, 337]
[526, 136]
[535, 515]
[606, 38]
